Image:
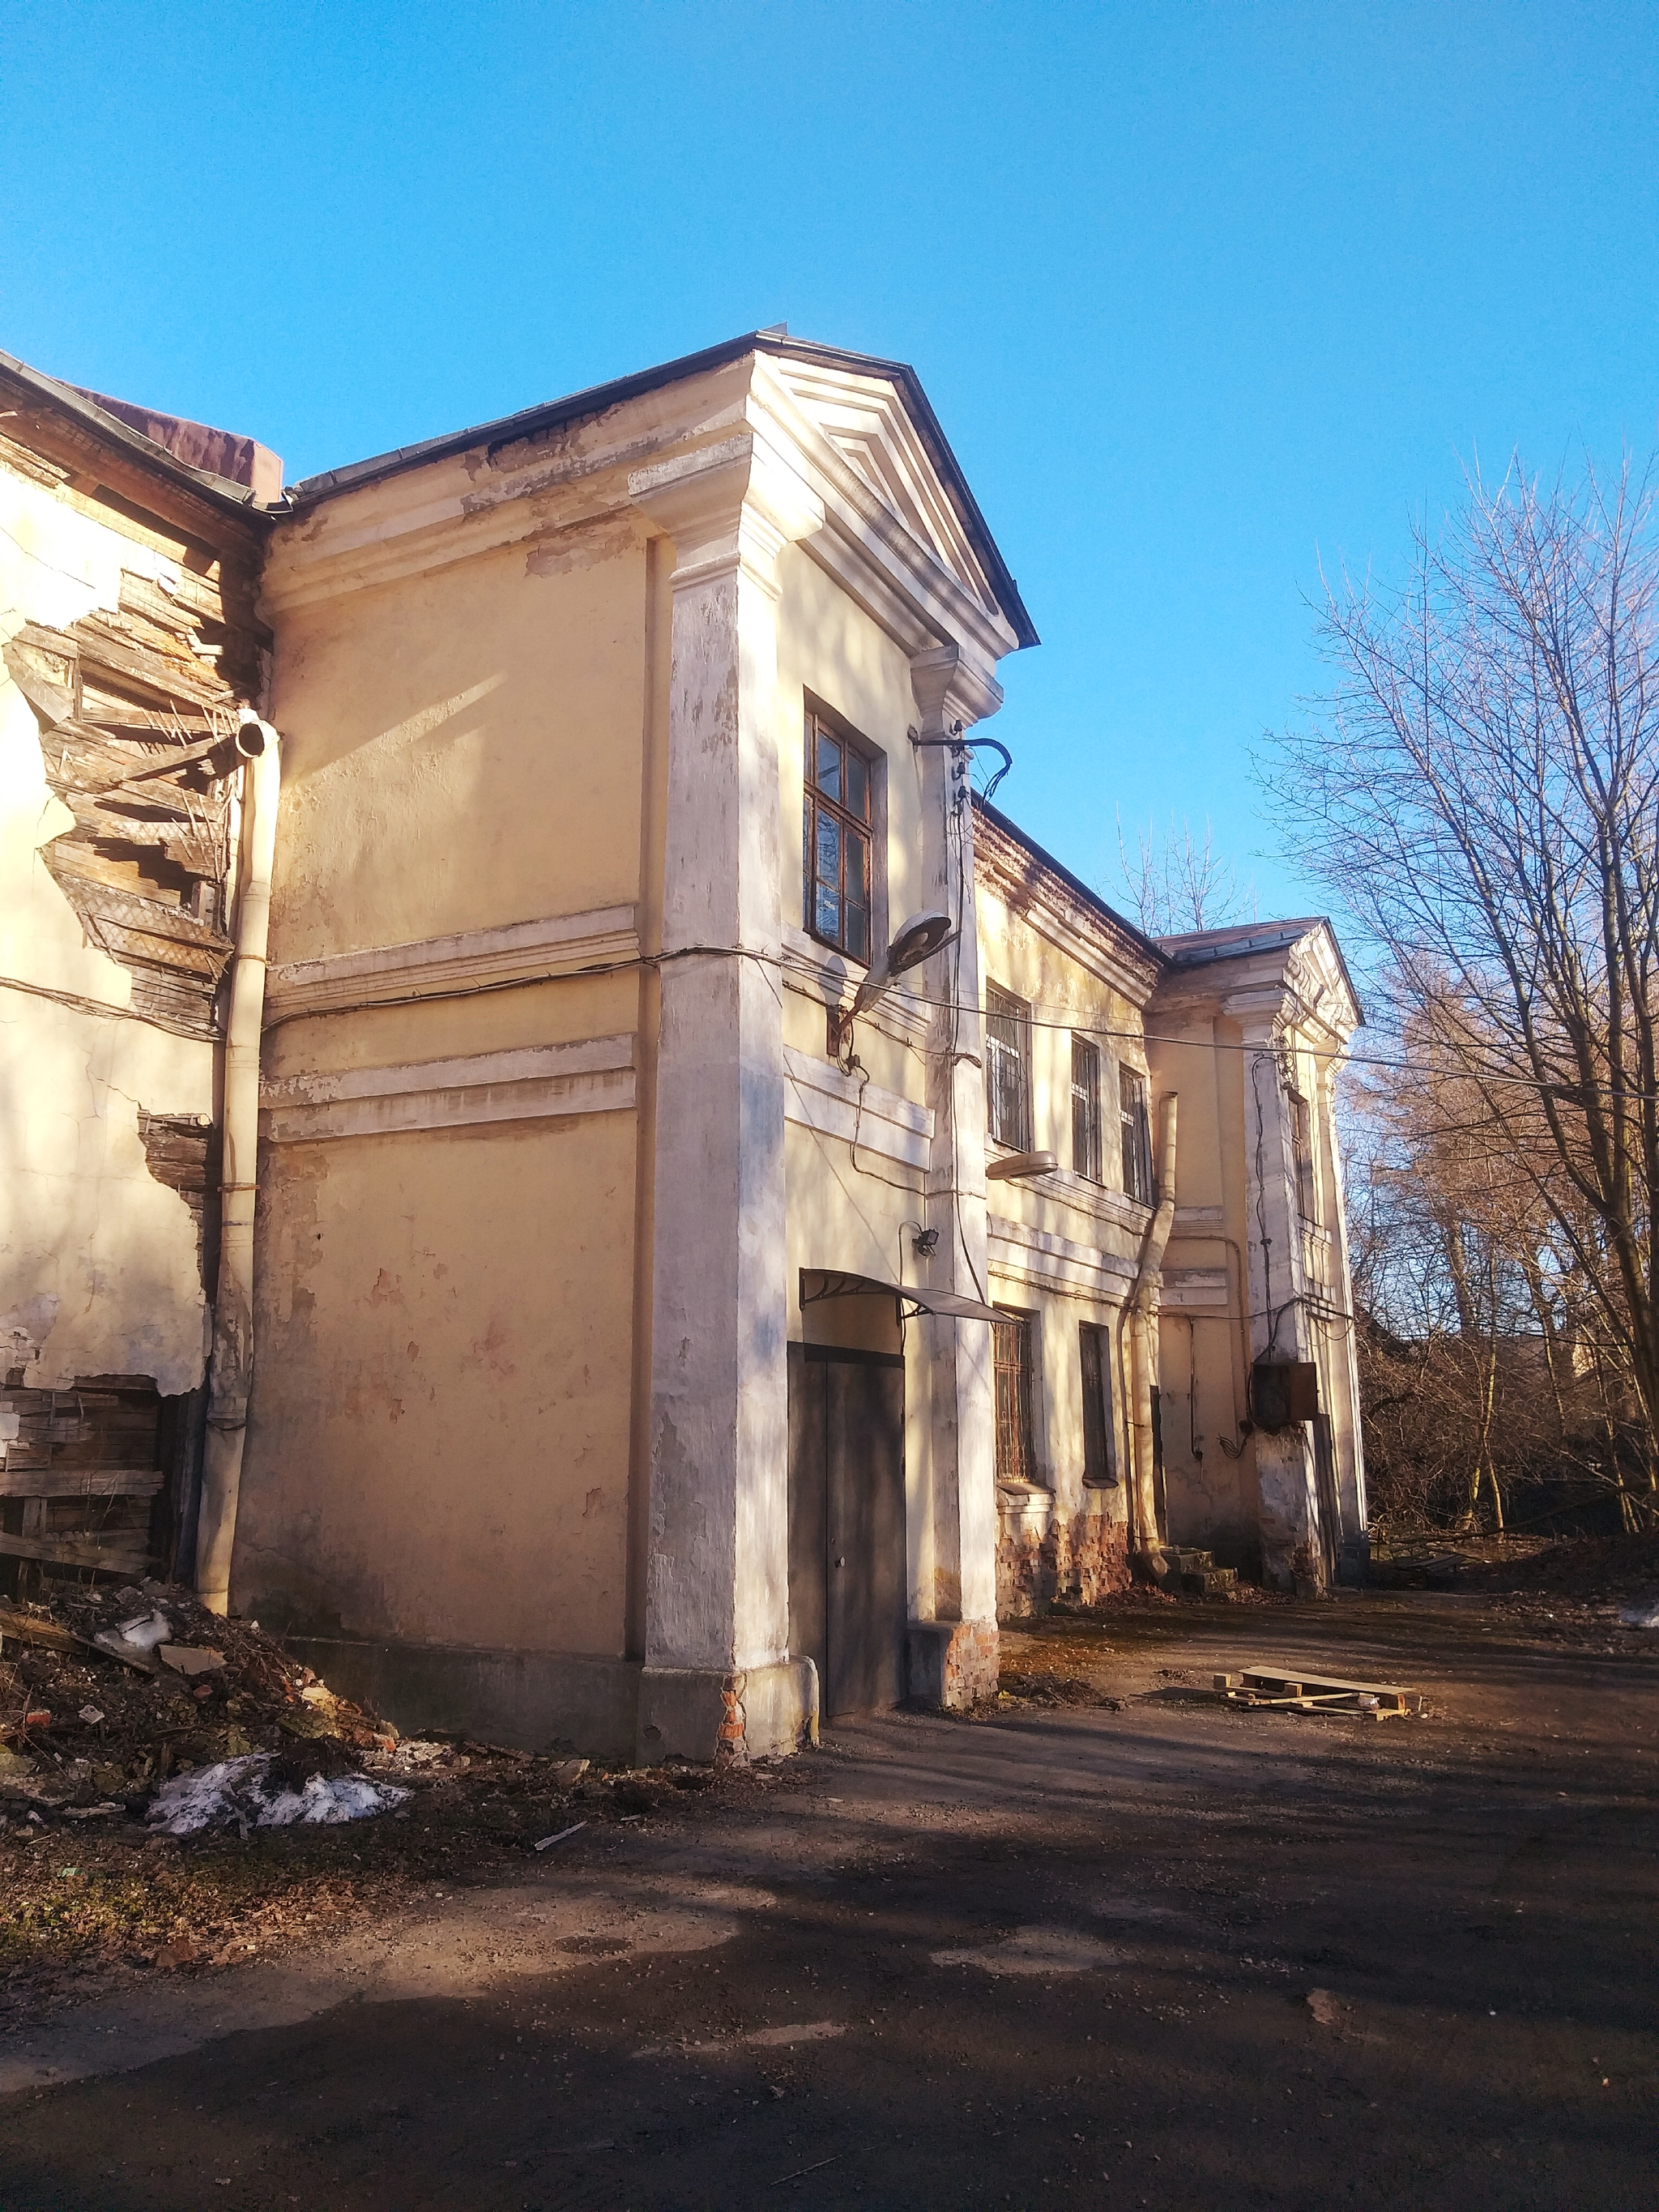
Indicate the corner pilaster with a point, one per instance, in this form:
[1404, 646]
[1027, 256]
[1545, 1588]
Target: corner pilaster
[717, 1680]
[955, 1662]
[1284, 1467]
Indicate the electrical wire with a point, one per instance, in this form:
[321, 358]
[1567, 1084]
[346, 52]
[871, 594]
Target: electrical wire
[1038, 1016]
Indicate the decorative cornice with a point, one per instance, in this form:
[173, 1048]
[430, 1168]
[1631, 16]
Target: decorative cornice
[817, 1095]
[951, 686]
[734, 505]
[1023, 884]
[533, 1083]
[434, 966]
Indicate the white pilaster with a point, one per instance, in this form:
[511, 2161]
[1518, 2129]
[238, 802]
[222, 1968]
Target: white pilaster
[949, 691]
[1284, 1463]
[717, 1581]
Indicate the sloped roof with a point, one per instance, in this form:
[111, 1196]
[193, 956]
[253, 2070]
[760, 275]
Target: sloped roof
[67, 399]
[531, 422]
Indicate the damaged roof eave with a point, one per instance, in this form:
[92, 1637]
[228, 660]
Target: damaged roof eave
[46, 393]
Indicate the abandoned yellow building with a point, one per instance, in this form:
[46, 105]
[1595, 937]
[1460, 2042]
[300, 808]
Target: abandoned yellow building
[700, 1212]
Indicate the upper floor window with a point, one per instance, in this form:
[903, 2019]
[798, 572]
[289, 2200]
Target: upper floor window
[1302, 1132]
[1137, 1133]
[1086, 1108]
[837, 856]
[1007, 1069]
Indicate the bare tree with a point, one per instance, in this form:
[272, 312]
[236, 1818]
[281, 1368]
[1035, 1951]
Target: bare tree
[1479, 792]
[1175, 883]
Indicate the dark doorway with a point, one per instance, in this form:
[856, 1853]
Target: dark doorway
[847, 1522]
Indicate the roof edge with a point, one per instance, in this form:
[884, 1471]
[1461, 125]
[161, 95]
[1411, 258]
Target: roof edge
[551, 414]
[234, 498]
[1149, 945]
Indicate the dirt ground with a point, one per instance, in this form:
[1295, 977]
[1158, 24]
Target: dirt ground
[1113, 1943]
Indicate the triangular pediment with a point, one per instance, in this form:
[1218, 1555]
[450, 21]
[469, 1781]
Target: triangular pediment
[864, 419]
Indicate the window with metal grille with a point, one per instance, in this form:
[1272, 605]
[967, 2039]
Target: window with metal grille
[1012, 1353]
[1137, 1134]
[1007, 1069]
[1099, 1459]
[837, 856]
[1086, 1108]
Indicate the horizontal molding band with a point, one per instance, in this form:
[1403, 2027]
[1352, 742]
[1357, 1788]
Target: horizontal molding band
[559, 945]
[817, 1095]
[594, 1075]
[1017, 1240]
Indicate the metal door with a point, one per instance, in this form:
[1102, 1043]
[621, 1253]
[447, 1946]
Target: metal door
[847, 1522]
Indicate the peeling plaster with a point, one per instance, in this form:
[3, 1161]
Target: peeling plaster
[99, 1270]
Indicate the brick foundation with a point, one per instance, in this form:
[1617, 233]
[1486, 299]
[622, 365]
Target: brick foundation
[1080, 1558]
[952, 1663]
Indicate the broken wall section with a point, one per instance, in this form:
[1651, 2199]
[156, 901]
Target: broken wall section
[127, 638]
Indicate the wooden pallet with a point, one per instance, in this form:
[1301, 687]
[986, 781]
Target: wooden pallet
[1290, 1689]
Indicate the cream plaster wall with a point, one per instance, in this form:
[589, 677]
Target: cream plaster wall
[461, 749]
[99, 1272]
[439, 1433]
[441, 1407]
[1018, 957]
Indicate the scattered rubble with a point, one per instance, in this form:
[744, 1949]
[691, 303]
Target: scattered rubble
[190, 1798]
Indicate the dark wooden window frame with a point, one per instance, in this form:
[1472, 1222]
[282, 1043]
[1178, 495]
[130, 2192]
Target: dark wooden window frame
[1099, 1419]
[840, 813]
[1007, 1069]
[1135, 1123]
[1302, 1139]
[1087, 1150]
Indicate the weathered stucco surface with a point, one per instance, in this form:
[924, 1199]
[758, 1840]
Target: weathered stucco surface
[439, 1445]
[99, 1272]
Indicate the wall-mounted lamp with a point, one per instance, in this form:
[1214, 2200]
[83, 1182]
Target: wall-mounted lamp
[922, 935]
[1012, 1165]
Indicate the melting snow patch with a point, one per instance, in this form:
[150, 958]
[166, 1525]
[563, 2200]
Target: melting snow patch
[1640, 1616]
[237, 1793]
[1035, 1951]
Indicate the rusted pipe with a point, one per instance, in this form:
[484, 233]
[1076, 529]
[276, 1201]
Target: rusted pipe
[1143, 1353]
[232, 1373]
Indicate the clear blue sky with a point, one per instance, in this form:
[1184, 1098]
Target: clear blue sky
[1201, 293]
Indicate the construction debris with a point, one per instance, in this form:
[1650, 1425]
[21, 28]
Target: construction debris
[255, 1791]
[1292, 1689]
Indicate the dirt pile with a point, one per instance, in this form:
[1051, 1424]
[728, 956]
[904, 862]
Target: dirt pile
[93, 1720]
[91, 1884]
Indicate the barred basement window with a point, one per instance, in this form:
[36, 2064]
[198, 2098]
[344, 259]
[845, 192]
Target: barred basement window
[836, 858]
[1086, 1108]
[1137, 1134]
[1012, 1336]
[1007, 1069]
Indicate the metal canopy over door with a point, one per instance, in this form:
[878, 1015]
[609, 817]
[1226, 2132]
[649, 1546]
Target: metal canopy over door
[847, 1607]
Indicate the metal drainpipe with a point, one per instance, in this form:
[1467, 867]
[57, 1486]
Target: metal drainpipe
[1143, 1356]
[232, 1373]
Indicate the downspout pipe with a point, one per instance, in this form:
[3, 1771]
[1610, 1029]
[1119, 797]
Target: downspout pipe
[1143, 1356]
[232, 1373]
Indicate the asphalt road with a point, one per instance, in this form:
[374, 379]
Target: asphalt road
[1065, 1957]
